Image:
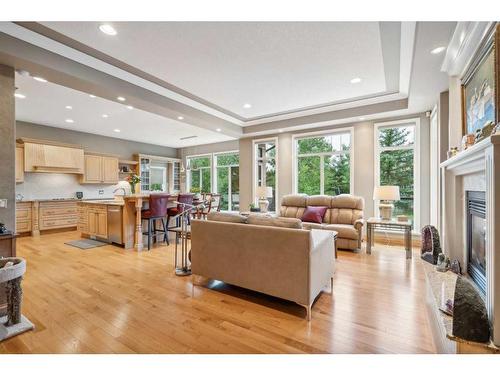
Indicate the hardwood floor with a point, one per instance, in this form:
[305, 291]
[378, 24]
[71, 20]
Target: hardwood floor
[108, 300]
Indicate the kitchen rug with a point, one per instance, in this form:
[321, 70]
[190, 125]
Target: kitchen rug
[86, 244]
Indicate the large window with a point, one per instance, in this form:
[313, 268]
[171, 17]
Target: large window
[265, 169]
[228, 180]
[396, 157]
[323, 163]
[199, 174]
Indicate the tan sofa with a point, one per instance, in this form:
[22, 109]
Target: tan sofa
[344, 215]
[273, 257]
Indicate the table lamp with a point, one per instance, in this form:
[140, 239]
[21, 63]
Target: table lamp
[264, 192]
[386, 195]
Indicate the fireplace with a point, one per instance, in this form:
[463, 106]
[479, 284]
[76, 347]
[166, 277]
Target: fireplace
[476, 237]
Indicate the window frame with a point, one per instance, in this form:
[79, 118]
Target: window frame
[416, 161]
[214, 174]
[254, 168]
[189, 171]
[317, 134]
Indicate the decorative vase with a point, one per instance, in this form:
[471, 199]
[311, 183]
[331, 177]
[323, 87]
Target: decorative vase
[132, 188]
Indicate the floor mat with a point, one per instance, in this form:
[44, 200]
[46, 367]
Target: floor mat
[86, 244]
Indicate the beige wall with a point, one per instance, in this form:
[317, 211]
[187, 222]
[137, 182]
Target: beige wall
[7, 146]
[92, 142]
[363, 162]
[455, 130]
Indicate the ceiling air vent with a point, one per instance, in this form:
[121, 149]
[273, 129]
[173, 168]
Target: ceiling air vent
[190, 137]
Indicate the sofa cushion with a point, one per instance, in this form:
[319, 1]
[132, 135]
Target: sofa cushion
[228, 217]
[343, 230]
[291, 211]
[314, 214]
[282, 222]
[319, 200]
[295, 200]
[310, 226]
[348, 201]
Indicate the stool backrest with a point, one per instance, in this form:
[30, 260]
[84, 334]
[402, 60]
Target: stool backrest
[186, 198]
[158, 204]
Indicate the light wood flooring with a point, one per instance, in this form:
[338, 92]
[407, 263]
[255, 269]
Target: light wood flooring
[108, 300]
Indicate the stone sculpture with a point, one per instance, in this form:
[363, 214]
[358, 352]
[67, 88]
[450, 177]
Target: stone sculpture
[431, 246]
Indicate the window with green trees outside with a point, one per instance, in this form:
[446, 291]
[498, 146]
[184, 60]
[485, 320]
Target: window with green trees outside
[396, 158]
[228, 180]
[324, 164]
[199, 176]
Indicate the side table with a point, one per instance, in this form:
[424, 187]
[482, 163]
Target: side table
[392, 225]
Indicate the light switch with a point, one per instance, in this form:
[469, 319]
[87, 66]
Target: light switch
[3, 203]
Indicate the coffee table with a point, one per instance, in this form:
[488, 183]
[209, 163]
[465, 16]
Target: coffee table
[392, 225]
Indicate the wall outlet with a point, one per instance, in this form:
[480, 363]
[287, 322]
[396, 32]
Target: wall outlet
[3, 203]
[101, 191]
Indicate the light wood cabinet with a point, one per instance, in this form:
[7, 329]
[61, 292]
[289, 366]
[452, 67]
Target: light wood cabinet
[23, 217]
[48, 156]
[96, 220]
[19, 164]
[100, 170]
[56, 215]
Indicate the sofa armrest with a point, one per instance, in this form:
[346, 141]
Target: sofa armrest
[322, 261]
[358, 224]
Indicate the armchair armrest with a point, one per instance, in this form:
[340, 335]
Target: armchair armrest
[358, 224]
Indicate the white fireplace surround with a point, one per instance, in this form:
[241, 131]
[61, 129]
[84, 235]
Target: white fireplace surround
[477, 168]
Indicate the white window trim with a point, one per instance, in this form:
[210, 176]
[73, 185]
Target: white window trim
[188, 172]
[416, 162]
[254, 168]
[214, 174]
[296, 137]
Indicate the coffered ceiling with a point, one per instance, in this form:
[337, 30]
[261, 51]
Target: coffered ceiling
[235, 79]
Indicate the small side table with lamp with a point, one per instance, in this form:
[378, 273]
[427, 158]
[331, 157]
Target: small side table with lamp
[385, 221]
[264, 192]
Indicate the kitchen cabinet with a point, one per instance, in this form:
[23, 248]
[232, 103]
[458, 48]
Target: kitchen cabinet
[57, 215]
[100, 169]
[23, 217]
[52, 157]
[19, 164]
[97, 220]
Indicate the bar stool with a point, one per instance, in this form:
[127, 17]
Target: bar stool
[174, 211]
[157, 211]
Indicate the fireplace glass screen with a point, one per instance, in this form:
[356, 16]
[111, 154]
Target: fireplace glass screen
[476, 238]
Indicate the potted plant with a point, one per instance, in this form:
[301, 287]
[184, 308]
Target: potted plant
[254, 208]
[133, 180]
[196, 191]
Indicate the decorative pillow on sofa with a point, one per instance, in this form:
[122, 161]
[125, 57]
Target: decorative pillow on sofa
[314, 214]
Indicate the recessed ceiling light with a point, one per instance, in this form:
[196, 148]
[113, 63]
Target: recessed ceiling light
[121, 98]
[39, 79]
[356, 80]
[180, 118]
[218, 129]
[69, 107]
[117, 130]
[361, 118]
[247, 105]
[105, 116]
[92, 96]
[108, 29]
[19, 95]
[281, 130]
[438, 50]
[69, 121]
[130, 107]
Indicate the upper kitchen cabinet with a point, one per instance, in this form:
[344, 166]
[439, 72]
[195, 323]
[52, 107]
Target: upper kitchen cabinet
[49, 156]
[100, 169]
[19, 164]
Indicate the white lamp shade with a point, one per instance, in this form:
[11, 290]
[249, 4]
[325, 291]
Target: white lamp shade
[386, 193]
[264, 191]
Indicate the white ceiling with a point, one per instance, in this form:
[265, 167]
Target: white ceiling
[45, 104]
[274, 66]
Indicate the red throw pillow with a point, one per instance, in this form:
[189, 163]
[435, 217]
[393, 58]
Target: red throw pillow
[314, 214]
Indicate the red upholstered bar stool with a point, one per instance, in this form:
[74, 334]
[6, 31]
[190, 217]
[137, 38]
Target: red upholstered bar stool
[174, 211]
[157, 211]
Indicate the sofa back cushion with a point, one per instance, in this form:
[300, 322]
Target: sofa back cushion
[282, 222]
[342, 209]
[227, 217]
[314, 214]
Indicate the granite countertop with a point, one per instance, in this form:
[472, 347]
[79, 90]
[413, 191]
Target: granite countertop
[436, 280]
[107, 202]
[63, 200]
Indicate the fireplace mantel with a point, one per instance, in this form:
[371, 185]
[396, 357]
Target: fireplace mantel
[481, 165]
